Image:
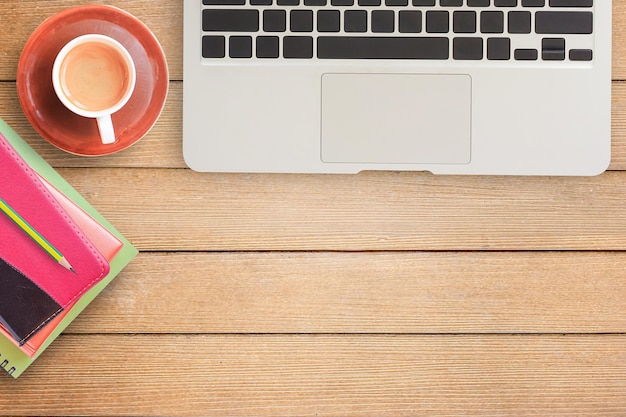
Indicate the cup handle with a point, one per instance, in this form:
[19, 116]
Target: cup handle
[105, 126]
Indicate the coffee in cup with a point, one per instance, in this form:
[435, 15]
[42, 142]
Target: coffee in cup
[94, 76]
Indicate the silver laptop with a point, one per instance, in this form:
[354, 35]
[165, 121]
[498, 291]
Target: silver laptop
[508, 87]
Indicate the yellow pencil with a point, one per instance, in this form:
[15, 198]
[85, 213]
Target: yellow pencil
[34, 235]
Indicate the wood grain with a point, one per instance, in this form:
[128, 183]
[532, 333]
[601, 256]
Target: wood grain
[21, 18]
[384, 292]
[161, 147]
[184, 210]
[325, 375]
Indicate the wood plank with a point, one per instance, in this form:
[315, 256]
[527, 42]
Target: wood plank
[440, 292]
[21, 18]
[419, 329]
[149, 375]
[162, 148]
[184, 210]
[618, 127]
[619, 40]
[165, 19]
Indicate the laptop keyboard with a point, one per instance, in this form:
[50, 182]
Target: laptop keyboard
[461, 30]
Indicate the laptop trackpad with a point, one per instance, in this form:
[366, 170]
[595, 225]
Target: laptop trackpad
[396, 118]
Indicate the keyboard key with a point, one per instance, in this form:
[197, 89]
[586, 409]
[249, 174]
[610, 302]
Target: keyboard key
[564, 22]
[553, 49]
[526, 54]
[464, 22]
[213, 46]
[571, 3]
[499, 49]
[346, 47]
[533, 3]
[513, 16]
[410, 21]
[230, 20]
[580, 55]
[437, 21]
[301, 20]
[467, 48]
[328, 21]
[298, 47]
[267, 47]
[355, 21]
[274, 20]
[492, 22]
[240, 47]
[519, 22]
[382, 21]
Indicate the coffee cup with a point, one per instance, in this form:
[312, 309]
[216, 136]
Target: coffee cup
[94, 76]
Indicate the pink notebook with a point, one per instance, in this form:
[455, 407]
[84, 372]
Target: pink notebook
[34, 288]
[106, 242]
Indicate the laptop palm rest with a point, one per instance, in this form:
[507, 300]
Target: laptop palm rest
[396, 118]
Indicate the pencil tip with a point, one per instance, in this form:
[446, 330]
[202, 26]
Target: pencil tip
[66, 264]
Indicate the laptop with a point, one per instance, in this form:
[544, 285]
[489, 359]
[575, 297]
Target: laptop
[498, 87]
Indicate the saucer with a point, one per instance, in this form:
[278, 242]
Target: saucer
[58, 125]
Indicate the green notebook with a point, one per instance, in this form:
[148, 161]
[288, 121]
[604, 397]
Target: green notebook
[12, 359]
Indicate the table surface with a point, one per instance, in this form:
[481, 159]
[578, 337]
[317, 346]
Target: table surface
[382, 293]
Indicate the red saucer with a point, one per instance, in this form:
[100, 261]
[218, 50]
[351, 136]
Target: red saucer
[61, 127]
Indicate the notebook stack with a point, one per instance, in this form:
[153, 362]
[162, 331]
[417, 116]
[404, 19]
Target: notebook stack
[57, 253]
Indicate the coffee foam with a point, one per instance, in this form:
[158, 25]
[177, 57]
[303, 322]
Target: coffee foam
[94, 76]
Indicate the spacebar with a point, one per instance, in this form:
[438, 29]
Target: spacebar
[363, 47]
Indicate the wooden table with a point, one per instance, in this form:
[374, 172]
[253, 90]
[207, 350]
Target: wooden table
[375, 294]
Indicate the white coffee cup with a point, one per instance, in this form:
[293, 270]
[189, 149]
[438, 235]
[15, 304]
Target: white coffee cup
[94, 76]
